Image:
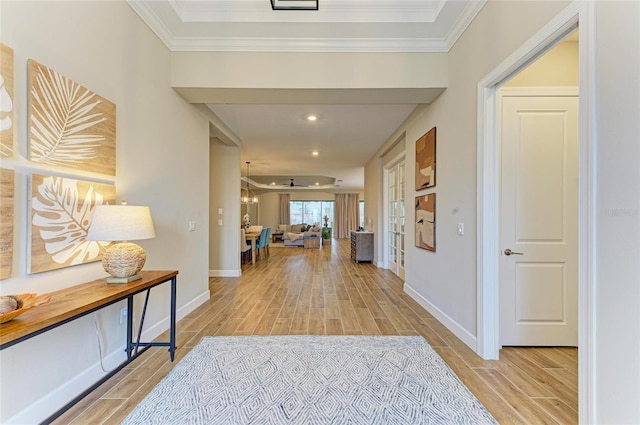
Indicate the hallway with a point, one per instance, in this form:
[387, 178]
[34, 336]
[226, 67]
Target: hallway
[298, 291]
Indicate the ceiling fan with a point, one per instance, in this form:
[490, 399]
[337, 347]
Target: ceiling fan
[292, 184]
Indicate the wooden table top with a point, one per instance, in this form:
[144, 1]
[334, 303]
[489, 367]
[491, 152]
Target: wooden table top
[72, 302]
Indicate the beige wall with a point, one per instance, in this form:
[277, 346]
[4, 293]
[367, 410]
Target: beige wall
[558, 67]
[224, 239]
[162, 156]
[237, 70]
[269, 209]
[446, 280]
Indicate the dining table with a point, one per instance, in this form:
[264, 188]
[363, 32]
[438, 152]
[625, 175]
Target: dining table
[253, 238]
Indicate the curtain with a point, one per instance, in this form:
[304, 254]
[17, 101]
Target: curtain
[284, 216]
[346, 214]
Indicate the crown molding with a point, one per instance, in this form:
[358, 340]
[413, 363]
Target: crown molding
[312, 45]
[468, 15]
[153, 21]
[305, 44]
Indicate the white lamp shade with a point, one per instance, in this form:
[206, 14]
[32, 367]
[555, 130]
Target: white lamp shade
[120, 223]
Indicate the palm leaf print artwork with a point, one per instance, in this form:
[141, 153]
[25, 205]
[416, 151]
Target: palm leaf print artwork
[61, 215]
[69, 125]
[7, 108]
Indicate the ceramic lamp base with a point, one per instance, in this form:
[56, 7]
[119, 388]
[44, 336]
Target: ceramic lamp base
[124, 260]
[124, 279]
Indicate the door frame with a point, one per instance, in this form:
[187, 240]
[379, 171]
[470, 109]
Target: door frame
[488, 194]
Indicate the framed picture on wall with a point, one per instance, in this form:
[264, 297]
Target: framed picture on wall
[7, 184]
[426, 160]
[61, 210]
[68, 124]
[7, 107]
[426, 222]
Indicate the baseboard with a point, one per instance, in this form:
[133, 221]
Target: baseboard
[57, 398]
[225, 273]
[464, 335]
[152, 332]
[54, 400]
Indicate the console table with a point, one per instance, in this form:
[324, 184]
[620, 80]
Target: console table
[77, 301]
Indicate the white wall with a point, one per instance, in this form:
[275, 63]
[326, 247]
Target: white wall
[162, 156]
[618, 213]
[224, 184]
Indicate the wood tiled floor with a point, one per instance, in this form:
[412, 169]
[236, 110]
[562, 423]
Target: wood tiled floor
[300, 291]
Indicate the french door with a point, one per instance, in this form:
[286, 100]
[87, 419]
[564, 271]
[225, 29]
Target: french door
[396, 218]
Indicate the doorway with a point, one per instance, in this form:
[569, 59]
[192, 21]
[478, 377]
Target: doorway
[488, 244]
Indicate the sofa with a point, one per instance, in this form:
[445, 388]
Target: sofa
[293, 235]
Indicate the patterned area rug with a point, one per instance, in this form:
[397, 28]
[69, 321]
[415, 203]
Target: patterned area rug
[311, 380]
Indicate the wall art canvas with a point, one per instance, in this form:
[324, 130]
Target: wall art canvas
[426, 160]
[69, 125]
[7, 184]
[61, 210]
[426, 221]
[7, 107]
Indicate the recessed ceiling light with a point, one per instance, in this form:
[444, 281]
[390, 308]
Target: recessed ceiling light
[311, 117]
[315, 153]
[317, 184]
[273, 183]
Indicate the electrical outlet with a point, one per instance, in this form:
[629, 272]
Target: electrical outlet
[192, 226]
[123, 315]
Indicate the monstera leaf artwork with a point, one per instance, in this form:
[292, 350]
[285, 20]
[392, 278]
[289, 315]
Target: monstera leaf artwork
[69, 125]
[7, 108]
[60, 219]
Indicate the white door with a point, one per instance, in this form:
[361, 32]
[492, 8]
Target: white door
[396, 218]
[539, 221]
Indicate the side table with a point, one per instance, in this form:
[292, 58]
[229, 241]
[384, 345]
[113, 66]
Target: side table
[311, 242]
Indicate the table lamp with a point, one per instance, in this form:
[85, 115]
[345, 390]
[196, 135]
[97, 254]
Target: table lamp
[122, 223]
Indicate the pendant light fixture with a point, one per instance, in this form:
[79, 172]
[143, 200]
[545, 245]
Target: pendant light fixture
[247, 196]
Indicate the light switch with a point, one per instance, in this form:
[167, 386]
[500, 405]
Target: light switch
[460, 229]
[192, 226]
[219, 211]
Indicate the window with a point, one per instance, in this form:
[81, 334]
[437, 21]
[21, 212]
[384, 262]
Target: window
[311, 212]
[361, 214]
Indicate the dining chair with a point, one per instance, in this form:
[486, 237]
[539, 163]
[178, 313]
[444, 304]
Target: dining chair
[262, 241]
[245, 249]
[268, 239]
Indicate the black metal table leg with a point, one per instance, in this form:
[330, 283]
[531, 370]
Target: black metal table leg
[172, 325]
[129, 326]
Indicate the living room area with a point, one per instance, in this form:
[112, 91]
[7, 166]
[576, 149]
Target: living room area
[313, 217]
